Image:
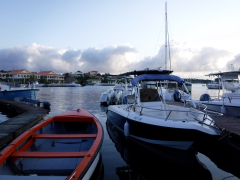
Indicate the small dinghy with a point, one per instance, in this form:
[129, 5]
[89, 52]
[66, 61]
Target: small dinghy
[66, 146]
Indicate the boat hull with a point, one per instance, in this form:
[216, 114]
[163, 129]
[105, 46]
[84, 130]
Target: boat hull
[214, 86]
[11, 94]
[64, 146]
[177, 138]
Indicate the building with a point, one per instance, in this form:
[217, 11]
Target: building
[3, 75]
[79, 74]
[91, 73]
[49, 75]
[21, 75]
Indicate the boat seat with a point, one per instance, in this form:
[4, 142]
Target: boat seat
[30, 177]
[49, 154]
[64, 136]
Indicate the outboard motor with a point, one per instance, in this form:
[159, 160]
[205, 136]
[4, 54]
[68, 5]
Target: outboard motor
[177, 96]
[205, 97]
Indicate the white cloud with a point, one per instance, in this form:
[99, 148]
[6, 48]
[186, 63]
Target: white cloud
[186, 61]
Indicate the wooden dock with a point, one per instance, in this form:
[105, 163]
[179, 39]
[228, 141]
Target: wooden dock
[15, 126]
[230, 123]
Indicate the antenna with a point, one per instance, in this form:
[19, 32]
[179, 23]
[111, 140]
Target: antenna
[166, 30]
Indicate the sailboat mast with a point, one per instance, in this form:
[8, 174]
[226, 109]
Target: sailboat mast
[166, 30]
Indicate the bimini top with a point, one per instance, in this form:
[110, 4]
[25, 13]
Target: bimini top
[223, 73]
[145, 71]
[155, 77]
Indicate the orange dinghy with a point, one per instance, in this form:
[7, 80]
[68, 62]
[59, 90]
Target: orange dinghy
[66, 146]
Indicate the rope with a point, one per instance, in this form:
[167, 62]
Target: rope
[233, 145]
[227, 177]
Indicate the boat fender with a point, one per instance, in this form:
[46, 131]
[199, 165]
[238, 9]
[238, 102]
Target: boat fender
[205, 97]
[223, 109]
[126, 129]
[177, 96]
[0, 88]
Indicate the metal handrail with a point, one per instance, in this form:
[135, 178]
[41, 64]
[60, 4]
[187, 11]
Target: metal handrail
[207, 111]
[213, 112]
[202, 113]
[230, 98]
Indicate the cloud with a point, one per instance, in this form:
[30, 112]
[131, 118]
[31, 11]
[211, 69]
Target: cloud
[114, 59]
[187, 61]
[38, 57]
[109, 59]
[71, 55]
[234, 63]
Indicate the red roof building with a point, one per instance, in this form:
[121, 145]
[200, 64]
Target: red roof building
[25, 74]
[87, 73]
[50, 75]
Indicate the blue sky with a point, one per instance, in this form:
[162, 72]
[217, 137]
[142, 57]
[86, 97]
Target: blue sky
[66, 36]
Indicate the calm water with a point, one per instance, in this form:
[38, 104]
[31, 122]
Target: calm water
[124, 159]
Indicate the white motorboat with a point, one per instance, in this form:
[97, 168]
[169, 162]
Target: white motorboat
[73, 84]
[228, 103]
[107, 97]
[112, 96]
[151, 120]
[214, 85]
[118, 94]
[36, 84]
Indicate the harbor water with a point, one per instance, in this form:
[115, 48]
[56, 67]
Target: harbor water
[124, 159]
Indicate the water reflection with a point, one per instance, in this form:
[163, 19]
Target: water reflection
[139, 161]
[149, 162]
[222, 160]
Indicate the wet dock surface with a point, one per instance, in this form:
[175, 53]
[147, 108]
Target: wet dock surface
[28, 117]
[230, 123]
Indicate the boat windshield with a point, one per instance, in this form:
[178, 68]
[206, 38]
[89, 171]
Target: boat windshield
[149, 95]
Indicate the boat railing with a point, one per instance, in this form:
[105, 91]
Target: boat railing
[192, 111]
[229, 98]
[208, 112]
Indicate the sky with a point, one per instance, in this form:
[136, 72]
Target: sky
[119, 36]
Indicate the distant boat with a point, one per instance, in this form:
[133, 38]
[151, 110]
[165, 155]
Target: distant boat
[66, 146]
[70, 85]
[214, 85]
[62, 85]
[6, 92]
[35, 84]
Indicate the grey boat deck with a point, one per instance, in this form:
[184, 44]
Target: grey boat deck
[230, 123]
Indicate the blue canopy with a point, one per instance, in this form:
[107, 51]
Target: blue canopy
[156, 77]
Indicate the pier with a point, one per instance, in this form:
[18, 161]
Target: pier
[28, 116]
